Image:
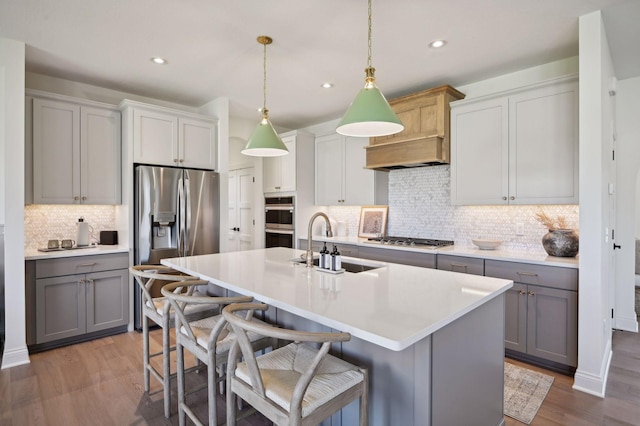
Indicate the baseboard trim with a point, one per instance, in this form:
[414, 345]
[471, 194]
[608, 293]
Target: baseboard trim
[591, 383]
[627, 324]
[15, 357]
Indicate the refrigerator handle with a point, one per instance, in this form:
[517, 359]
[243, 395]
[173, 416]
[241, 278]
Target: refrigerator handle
[187, 236]
[180, 208]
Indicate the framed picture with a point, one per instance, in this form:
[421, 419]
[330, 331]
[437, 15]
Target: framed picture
[373, 221]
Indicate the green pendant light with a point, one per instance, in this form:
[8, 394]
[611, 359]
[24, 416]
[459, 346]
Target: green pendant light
[264, 141]
[369, 114]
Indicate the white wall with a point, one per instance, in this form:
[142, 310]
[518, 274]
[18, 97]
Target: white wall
[12, 198]
[628, 159]
[594, 319]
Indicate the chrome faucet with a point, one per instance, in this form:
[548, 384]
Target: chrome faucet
[329, 234]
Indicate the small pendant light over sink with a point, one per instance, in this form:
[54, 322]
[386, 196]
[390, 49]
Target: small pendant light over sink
[369, 114]
[265, 142]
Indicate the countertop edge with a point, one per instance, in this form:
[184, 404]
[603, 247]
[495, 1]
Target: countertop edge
[97, 250]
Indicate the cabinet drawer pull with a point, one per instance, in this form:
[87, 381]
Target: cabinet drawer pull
[86, 264]
[527, 274]
[458, 265]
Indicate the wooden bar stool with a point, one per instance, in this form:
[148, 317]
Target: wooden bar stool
[158, 310]
[295, 384]
[208, 339]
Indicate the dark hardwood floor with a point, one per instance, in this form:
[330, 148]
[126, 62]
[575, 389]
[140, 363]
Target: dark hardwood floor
[100, 383]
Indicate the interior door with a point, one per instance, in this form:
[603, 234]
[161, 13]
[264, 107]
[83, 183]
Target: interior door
[241, 211]
[246, 222]
[233, 239]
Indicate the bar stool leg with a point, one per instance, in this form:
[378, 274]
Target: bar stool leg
[212, 389]
[166, 365]
[182, 417]
[145, 351]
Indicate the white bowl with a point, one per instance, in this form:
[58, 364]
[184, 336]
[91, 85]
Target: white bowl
[484, 244]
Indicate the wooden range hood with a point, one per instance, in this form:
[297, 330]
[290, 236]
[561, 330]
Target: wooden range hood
[425, 138]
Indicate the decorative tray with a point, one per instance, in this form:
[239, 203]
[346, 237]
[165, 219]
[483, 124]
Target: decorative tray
[65, 249]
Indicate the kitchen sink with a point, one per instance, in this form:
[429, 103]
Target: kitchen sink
[353, 267]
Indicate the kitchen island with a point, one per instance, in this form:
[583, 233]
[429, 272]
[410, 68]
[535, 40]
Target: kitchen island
[433, 340]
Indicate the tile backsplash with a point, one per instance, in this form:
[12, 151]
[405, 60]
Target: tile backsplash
[419, 206]
[44, 222]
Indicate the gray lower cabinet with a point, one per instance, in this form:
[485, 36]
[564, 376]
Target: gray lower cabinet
[80, 295]
[466, 265]
[541, 311]
[404, 257]
[350, 250]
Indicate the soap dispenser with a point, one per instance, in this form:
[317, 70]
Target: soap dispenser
[336, 259]
[325, 261]
[82, 238]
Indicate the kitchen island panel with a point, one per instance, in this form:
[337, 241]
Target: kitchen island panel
[433, 341]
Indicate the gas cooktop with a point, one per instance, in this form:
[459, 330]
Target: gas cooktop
[410, 242]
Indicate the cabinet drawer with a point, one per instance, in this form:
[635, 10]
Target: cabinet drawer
[546, 276]
[467, 265]
[81, 264]
[413, 258]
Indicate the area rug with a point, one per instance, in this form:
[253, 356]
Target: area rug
[524, 391]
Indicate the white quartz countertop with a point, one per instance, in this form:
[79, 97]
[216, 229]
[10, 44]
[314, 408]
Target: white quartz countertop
[539, 257]
[393, 306]
[98, 249]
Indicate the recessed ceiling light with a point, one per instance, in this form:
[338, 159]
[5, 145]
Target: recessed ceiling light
[436, 44]
[327, 85]
[158, 60]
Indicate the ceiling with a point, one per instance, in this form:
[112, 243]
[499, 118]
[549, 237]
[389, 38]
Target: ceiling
[212, 50]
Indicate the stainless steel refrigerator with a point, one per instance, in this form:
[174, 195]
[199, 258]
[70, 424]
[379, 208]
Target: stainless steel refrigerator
[177, 213]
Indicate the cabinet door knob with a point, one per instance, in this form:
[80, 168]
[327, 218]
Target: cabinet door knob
[522, 292]
[175, 160]
[84, 198]
[504, 198]
[531, 293]
[512, 198]
[76, 198]
[182, 160]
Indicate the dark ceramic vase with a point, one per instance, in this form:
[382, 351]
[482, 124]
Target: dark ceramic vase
[561, 242]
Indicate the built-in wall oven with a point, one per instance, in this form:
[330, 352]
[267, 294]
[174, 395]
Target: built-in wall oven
[279, 219]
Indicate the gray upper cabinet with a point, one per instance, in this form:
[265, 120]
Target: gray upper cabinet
[76, 153]
[518, 147]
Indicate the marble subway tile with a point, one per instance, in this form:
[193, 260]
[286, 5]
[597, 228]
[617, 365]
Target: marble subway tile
[44, 222]
[419, 206]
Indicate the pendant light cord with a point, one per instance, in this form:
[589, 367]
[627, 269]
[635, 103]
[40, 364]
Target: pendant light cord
[264, 87]
[369, 37]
